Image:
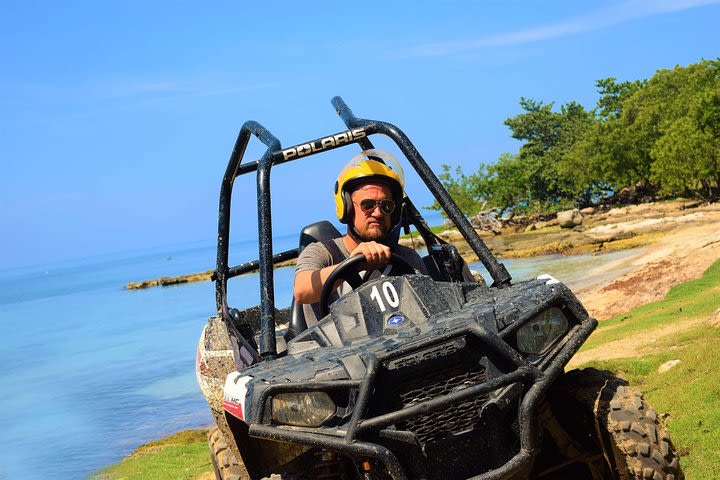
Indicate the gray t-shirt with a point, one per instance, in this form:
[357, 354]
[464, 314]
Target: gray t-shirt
[315, 256]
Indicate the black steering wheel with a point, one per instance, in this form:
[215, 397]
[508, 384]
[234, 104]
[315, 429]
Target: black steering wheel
[345, 271]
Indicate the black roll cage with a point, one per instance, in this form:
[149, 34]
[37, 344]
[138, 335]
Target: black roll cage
[276, 155]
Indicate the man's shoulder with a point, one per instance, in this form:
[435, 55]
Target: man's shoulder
[313, 257]
[320, 254]
[322, 245]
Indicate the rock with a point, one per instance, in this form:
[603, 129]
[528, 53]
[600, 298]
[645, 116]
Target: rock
[668, 365]
[626, 195]
[539, 225]
[488, 222]
[608, 235]
[588, 210]
[530, 228]
[616, 212]
[416, 241]
[450, 235]
[570, 218]
[692, 204]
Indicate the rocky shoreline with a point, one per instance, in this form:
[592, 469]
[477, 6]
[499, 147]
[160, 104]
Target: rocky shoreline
[573, 232]
[168, 281]
[585, 231]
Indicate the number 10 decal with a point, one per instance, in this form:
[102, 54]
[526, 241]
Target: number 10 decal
[390, 294]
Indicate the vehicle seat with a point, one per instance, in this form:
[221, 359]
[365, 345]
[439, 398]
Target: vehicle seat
[316, 232]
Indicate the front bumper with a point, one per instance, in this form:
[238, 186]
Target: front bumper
[351, 441]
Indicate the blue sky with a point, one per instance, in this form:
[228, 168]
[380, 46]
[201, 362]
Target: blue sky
[118, 117]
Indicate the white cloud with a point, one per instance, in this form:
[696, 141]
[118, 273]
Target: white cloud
[595, 20]
[139, 88]
[133, 87]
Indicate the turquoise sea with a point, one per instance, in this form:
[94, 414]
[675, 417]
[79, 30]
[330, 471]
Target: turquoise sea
[91, 370]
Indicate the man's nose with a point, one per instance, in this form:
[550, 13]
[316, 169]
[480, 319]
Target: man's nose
[377, 211]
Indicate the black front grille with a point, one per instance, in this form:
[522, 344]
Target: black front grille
[457, 417]
[463, 438]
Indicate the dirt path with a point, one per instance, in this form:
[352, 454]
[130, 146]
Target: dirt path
[682, 254]
[642, 343]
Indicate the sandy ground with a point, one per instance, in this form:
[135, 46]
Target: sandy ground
[682, 254]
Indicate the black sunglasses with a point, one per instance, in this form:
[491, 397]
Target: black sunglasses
[368, 205]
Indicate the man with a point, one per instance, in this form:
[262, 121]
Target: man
[368, 196]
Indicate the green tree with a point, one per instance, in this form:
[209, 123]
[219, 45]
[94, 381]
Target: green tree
[551, 173]
[470, 193]
[687, 155]
[501, 186]
[613, 95]
[509, 183]
[666, 110]
[662, 135]
[601, 155]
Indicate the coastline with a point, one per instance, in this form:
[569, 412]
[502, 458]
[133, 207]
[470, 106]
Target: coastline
[600, 232]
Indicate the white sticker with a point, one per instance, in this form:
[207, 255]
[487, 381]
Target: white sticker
[550, 279]
[234, 394]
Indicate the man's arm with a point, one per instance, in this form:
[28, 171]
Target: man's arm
[308, 283]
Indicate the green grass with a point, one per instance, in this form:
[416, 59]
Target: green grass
[690, 300]
[687, 396]
[183, 456]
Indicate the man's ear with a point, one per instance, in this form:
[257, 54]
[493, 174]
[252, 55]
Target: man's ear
[348, 208]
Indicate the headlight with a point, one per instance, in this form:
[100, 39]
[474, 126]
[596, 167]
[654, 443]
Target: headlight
[304, 409]
[542, 331]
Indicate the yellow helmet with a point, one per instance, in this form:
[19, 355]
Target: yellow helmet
[368, 166]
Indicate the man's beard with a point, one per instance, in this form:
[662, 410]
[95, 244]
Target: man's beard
[373, 234]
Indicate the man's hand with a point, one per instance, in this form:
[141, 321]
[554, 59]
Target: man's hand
[376, 254]
[308, 284]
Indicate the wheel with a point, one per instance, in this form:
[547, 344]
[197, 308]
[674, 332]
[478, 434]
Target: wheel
[345, 271]
[228, 466]
[606, 416]
[225, 463]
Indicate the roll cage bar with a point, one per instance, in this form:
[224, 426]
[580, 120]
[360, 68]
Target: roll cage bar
[359, 131]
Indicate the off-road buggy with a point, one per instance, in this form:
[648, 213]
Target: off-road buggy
[435, 376]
